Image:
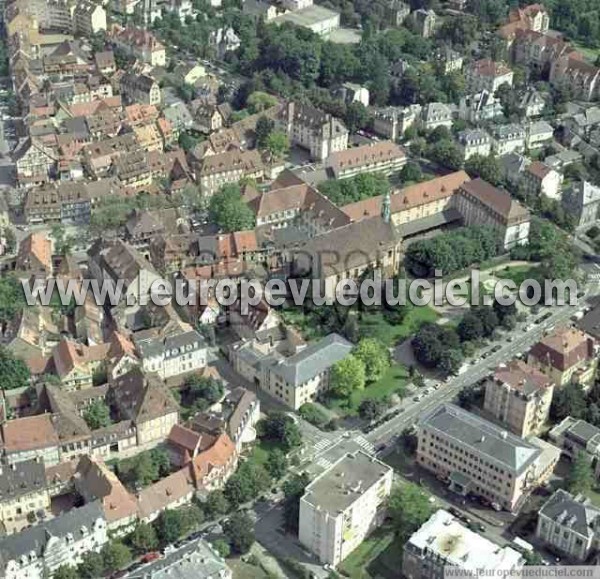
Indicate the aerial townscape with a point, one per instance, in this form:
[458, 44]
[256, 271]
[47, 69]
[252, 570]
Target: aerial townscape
[243, 141]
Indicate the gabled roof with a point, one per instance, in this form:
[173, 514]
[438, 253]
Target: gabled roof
[498, 200]
[29, 433]
[218, 455]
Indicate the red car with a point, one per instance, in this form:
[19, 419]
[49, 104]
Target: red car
[152, 556]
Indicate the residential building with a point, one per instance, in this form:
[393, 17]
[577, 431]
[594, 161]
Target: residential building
[34, 161]
[208, 117]
[539, 179]
[396, 12]
[23, 490]
[218, 170]
[62, 202]
[318, 132]
[532, 103]
[533, 17]
[144, 400]
[391, 122]
[566, 355]
[37, 552]
[171, 353]
[76, 363]
[384, 157]
[354, 93]
[94, 481]
[435, 115]
[105, 62]
[35, 255]
[508, 139]
[449, 60]
[423, 22]
[139, 43]
[573, 436]
[343, 505]
[474, 142]
[224, 40]
[196, 559]
[569, 524]
[487, 75]
[300, 378]
[539, 134]
[581, 76]
[30, 438]
[443, 542]
[477, 457]
[318, 19]
[478, 107]
[89, 18]
[140, 88]
[582, 200]
[519, 396]
[561, 160]
[483, 204]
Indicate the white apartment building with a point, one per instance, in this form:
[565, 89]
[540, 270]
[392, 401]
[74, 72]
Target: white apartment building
[436, 115]
[318, 132]
[37, 552]
[174, 354]
[478, 457]
[443, 542]
[570, 525]
[89, 18]
[343, 505]
[391, 122]
[474, 142]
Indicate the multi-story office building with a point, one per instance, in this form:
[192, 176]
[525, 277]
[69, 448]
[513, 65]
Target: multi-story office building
[343, 505]
[443, 542]
[519, 396]
[478, 457]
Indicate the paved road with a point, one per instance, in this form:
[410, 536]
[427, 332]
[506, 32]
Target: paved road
[523, 339]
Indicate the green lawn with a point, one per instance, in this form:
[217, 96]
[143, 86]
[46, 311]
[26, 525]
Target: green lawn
[380, 555]
[261, 450]
[375, 324]
[394, 378]
[518, 274]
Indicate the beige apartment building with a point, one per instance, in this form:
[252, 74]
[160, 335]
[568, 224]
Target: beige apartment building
[567, 355]
[384, 157]
[218, 170]
[478, 457]
[343, 505]
[519, 396]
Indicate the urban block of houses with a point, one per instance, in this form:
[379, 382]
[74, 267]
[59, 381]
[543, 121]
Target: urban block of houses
[443, 542]
[343, 505]
[519, 396]
[139, 43]
[566, 355]
[478, 457]
[570, 525]
[391, 122]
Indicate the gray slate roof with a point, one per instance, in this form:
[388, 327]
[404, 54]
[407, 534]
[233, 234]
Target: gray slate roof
[313, 360]
[573, 512]
[12, 547]
[482, 437]
[21, 478]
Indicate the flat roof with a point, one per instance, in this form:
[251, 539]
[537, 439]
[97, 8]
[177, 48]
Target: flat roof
[347, 480]
[307, 16]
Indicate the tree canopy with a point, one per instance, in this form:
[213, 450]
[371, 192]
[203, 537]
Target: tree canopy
[14, 373]
[229, 211]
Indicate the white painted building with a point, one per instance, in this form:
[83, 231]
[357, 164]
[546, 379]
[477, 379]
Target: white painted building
[174, 354]
[37, 552]
[508, 139]
[474, 142]
[343, 505]
[444, 542]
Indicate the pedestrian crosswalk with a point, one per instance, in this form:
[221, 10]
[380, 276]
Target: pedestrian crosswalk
[364, 444]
